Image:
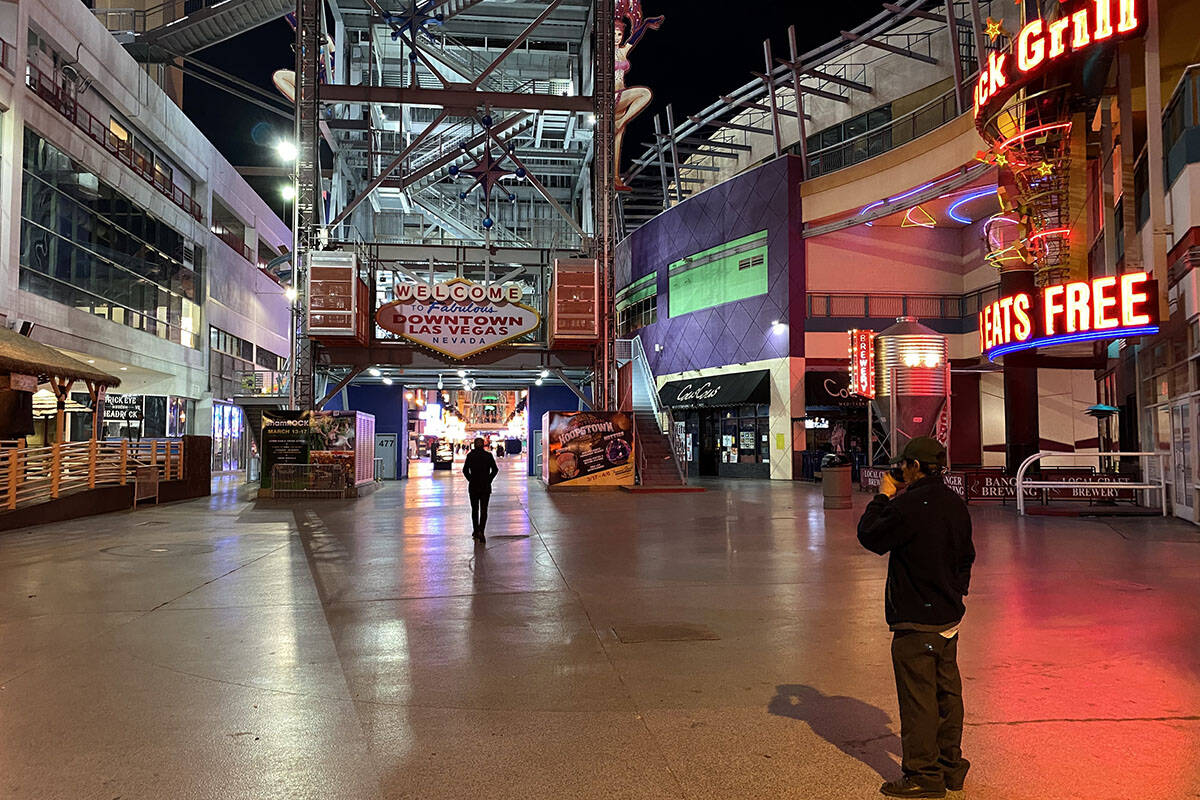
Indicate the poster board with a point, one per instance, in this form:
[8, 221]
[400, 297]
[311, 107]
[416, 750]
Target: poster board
[588, 448]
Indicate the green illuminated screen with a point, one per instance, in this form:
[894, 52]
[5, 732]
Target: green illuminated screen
[723, 274]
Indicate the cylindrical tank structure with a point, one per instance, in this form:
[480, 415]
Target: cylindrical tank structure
[911, 380]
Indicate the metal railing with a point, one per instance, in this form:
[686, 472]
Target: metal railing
[1022, 484]
[32, 475]
[238, 245]
[662, 414]
[260, 383]
[882, 306]
[137, 20]
[902, 130]
[61, 100]
[308, 480]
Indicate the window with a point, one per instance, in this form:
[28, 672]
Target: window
[731, 271]
[637, 304]
[268, 360]
[84, 244]
[118, 136]
[163, 174]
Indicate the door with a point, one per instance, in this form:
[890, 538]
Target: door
[1183, 493]
[385, 448]
[710, 440]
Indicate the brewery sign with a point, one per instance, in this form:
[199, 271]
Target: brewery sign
[862, 363]
[457, 318]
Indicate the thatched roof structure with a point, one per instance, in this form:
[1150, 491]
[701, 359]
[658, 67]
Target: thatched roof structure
[22, 355]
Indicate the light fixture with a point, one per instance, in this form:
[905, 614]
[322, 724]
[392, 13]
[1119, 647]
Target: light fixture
[124, 369]
[538, 382]
[932, 359]
[287, 192]
[545, 374]
[291, 294]
[408, 395]
[462, 373]
[91, 361]
[439, 380]
[374, 372]
[387, 381]
[286, 150]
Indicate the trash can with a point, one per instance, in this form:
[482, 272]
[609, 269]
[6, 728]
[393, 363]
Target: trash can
[836, 483]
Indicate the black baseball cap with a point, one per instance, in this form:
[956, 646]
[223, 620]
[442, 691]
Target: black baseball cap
[925, 449]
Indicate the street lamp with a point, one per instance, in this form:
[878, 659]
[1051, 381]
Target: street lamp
[290, 293]
[286, 150]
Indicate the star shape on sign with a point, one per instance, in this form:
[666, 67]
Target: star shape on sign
[488, 170]
[1044, 168]
[993, 28]
[1001, 159]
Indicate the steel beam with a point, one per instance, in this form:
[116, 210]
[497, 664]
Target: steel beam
[840, 81]
[461, 98]
[890, 48]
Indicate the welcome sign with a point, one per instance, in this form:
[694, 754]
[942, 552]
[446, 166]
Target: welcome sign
[457, 318]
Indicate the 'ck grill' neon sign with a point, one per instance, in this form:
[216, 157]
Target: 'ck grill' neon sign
[1042, 44]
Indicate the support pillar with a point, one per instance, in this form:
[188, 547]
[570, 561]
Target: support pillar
[1021, 431]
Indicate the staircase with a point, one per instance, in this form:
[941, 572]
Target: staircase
[181, 27]
[660, 466]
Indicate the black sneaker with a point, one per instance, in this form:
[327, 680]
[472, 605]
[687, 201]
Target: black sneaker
[907, 787]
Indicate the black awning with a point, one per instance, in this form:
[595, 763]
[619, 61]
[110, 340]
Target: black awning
[731, 389]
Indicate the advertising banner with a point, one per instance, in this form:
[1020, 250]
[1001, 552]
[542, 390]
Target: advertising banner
[283, 443]
[457, 318]
[588, 448]
[123, 408]
[870, 477]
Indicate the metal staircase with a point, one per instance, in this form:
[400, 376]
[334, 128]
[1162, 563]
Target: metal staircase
[181, 27]
[660, 448]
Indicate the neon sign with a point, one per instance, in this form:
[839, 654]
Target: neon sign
[1042, 44]
[862, 363]
[1109, 307]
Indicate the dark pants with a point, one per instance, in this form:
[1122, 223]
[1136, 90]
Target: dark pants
[479, 505]
[931, 707]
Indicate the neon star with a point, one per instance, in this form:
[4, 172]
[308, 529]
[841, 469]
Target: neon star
[1001, 159]
[994, 28]
[1044, 168]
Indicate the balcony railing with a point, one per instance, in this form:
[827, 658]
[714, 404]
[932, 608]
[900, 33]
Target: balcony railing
[916, 123]
[238, 245]
[884, 306]
[260, 383]
[61, 101]
[136, 20]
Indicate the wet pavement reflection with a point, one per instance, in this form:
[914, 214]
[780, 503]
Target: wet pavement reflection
[232, 648]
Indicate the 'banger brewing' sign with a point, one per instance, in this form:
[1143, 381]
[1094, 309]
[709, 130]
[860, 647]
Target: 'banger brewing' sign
[1042, 44]
[457, 318]
[1110, 307]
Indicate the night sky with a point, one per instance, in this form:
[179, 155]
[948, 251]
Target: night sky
[703, 49]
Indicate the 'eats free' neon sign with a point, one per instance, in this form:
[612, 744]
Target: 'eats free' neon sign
[1109, 307]
[1041, 44]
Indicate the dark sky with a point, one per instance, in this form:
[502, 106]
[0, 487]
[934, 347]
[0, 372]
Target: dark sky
[704, 49]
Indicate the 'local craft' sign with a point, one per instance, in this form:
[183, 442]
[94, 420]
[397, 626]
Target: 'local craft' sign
[457, 318]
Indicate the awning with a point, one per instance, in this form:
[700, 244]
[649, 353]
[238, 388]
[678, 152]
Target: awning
[730, 389]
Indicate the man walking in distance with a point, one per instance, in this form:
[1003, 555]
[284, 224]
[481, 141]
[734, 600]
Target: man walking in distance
[925, 529]
[480, 468]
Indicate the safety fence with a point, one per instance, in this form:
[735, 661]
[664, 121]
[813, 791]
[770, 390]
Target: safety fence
[32, 475]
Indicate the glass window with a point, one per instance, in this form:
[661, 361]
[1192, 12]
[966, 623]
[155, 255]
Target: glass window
[83, 246]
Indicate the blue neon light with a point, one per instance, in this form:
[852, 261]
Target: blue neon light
[1068, 338]
[967, 199]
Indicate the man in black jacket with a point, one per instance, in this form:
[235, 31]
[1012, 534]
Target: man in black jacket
[926, 530]
[480, 468]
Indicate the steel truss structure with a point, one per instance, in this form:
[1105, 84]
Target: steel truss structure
[688, 151]
[456, 128]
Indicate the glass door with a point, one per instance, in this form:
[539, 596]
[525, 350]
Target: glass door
[1183, 493]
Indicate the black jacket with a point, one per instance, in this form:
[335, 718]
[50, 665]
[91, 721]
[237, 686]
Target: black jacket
[480, 468]
[927, 531]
